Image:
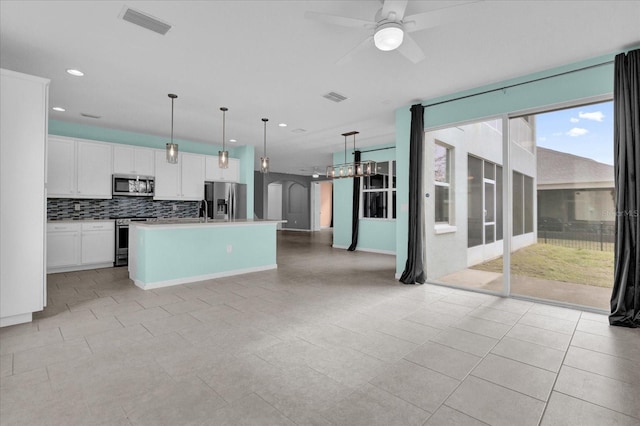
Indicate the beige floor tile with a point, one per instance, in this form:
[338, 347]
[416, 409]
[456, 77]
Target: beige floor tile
[432, 319]
[530, 353]
[603, 364]
[23, 342]
[65, 318]
[555, 312]
[446, 416]
[19, 329]
[90, 304]
[44, 356]
[370, 406]
[88, 327]
[514, 306]
[117, 309]
[250, 411]
[548, 323]
[516, 376]
[496, 315]
[420, 386]
[495, 405]
[484, 327]
[622, 348]
[540, 336]
[190, 305]
[465, 341]
[610, 393]
[6, 365]
[565, 410]
[170, 324]
[139, 316]
[443, 359]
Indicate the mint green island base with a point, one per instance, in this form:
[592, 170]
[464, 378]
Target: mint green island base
[163, 254]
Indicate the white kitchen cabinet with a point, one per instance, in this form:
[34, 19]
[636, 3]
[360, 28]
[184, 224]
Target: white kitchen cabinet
[63, 245]
[181, 181]
[132, 160]
[213, 173]
[192, 176]
[78, 168]
[23, 141]
[97, 243]
[73, 246]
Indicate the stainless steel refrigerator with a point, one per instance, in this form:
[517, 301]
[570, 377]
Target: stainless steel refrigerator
[226, 201]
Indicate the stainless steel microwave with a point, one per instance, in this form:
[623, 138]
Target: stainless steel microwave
[141, 186]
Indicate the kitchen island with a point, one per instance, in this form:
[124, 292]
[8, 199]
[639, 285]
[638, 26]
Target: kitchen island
[179, 251]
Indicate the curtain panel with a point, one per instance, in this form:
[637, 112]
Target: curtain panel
[355, 213]
[625, 297]
[414, 268]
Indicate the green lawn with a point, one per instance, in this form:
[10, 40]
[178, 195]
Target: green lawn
[558, 263]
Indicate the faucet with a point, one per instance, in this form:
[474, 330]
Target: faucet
[206, 210]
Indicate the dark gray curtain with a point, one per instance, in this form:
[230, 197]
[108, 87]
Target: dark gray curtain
[625, 298]
[355, 213]
[414, 268]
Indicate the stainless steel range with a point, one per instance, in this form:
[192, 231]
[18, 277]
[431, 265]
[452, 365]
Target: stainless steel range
[122, 238]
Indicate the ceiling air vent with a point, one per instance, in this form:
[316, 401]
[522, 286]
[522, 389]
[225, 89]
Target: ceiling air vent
[298, 131]
[84, 114]
[145, 21]
[335, 97]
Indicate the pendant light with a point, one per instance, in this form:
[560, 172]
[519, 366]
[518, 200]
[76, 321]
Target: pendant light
[352, 169]
[223, 156]
[264, 160]
[172, 148]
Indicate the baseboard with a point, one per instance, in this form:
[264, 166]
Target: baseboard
[178, 281]
[368, 250]
[16, 319]
[56, 270]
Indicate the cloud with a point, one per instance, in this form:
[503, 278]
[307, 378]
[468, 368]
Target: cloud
[595, 116]
[542, 139]
[574, 120]
[577, 131]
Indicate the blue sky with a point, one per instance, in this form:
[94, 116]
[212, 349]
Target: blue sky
[586, 131]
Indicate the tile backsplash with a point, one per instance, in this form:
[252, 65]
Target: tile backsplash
[118, 207]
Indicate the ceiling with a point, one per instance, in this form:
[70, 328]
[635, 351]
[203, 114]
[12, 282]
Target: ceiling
[265, 59]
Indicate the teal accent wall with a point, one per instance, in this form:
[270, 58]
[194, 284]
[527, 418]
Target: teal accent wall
[244, 153]
[169, 254]
[554, 90]
[373, 234]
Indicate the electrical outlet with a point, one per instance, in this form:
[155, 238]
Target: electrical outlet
[175, 208]
[76, 207]
[229, 248]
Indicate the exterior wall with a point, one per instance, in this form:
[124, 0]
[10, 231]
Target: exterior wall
[550, 87]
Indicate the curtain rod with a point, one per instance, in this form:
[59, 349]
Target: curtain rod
[377, 149]
[519, 84]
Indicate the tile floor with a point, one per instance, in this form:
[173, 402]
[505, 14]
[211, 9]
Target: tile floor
[329, 338]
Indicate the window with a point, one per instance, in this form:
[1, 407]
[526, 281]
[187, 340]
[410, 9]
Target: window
[379, 192]
[484, 202]
[442, 182]
[522, 204]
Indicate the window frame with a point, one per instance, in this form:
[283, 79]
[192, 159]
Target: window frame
[389, 190]
[449, 224]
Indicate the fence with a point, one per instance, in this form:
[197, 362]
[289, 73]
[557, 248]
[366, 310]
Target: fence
[588, 235]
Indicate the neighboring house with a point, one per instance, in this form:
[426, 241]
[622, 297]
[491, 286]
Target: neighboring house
[573, 190]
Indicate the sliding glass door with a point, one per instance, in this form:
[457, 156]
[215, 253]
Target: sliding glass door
[556, 189]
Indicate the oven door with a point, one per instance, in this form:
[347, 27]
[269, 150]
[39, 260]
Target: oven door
[122, 245]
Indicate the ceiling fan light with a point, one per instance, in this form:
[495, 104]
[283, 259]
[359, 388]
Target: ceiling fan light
[388, 36]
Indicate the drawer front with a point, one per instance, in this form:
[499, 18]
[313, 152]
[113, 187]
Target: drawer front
[98, 226]
[63, 227]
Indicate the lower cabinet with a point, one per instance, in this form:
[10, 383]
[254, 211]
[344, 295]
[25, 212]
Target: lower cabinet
[81, 245]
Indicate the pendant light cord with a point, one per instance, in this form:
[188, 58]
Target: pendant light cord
[172, 99]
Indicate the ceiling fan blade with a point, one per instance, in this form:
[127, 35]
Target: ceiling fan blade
[396, 6]
[339, 20]
[447, 15]
[410, 49]
[364, 44]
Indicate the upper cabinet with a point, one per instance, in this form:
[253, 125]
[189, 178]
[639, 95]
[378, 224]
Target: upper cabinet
[132, 160]
[181, 181]
[78, 169]
[213, 173]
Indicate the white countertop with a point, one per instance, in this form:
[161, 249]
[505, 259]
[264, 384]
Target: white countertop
[196, 222]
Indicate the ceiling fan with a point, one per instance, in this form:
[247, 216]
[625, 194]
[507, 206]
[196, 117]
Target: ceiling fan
[391, 28]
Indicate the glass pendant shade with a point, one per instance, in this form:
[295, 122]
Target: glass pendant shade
[223, 156]
[172, 153]
[172, 148]
[264, 160]
[388, 36]
[223, 159]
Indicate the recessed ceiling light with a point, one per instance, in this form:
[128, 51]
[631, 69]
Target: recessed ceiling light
[232, 140]
[75, 73]
[60, 109]
[282, 124]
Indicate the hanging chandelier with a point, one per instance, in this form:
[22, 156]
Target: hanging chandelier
[172, 148]
[354, 168]
[264, 160]
[223, 156]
